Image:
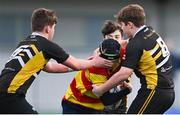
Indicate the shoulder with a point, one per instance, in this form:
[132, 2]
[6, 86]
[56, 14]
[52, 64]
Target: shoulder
[134, 43]
[100, 71]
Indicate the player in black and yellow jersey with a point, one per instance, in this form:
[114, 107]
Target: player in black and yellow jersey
[148, 56]
[30, 57]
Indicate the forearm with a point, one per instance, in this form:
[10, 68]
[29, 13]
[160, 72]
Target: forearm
[79, 64]
[84, 64]
[112, 82]
[119, 76]
[52, 67]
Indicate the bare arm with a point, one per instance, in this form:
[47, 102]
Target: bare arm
[74, 64]
[54, 67]
[79, 64]
[119, 76]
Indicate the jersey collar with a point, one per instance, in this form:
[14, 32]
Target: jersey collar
[38, 34]
[139, 30]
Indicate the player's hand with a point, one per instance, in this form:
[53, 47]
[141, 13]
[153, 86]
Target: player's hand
[96, 90]
[126, 85]
[101, 62]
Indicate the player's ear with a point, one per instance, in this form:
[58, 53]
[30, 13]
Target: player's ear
[130, 24]
[106, 36]
[47, 29]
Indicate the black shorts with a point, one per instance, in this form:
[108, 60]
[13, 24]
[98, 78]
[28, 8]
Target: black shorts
[152, 101]
[71, 108]
[15, 104]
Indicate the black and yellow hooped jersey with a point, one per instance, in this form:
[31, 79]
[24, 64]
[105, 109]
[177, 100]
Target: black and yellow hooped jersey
[149, 57]
[27, 61]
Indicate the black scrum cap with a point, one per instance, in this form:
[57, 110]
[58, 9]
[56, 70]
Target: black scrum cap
[110, 49]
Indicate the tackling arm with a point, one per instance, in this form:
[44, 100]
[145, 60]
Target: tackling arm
[53, 67]
[119, 76]
[80, 64]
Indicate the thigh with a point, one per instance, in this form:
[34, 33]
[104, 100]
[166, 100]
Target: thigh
[141, 101]
[16, 105]
[152, 102]
[24, 107]
[161, 102]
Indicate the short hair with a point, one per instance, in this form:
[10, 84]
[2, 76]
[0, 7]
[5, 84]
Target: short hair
[110, 27]
[42, 17]
[132, 13]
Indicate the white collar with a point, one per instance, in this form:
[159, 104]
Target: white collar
[139, 30]
[38, 34]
